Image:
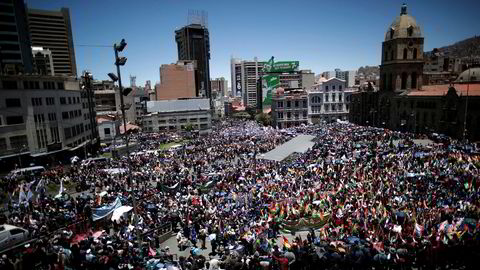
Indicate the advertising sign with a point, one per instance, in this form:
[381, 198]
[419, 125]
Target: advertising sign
[281, 66]
[238, 83]
[271, 82]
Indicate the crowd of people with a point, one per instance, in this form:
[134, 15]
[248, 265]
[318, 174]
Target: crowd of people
[360, 197]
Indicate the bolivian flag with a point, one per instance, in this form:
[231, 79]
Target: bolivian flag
[286, 244]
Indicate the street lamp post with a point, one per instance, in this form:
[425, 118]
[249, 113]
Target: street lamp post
[466, 107]
[414, 129]
[120, 61]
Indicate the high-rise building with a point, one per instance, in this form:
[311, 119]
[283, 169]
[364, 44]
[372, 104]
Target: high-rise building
[347, 75]
[244, 79]
[177, 81]
[52, 30]
[220, 86]
[42, 61]
[193, 43]
[43, 116]
[15, 51]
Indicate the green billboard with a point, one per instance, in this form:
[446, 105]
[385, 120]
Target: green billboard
[281, 66]
[271, 82]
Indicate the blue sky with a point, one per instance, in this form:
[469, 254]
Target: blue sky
[322, 35]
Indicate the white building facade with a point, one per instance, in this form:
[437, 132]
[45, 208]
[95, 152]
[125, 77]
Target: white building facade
[328, 101]
[41, 113]
[178, 116]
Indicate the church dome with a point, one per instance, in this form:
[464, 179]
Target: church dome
[404, 26]
[469, 75]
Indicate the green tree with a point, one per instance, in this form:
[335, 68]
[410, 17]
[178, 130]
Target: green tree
[264, 119]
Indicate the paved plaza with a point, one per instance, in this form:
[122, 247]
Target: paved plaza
[299, 144]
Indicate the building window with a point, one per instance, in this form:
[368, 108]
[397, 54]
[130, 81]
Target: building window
[60, 86]
[340, 97]
[289, 104]
[305, 105]
[19, 142]
[280, 115]
[340, 87]
[37, 101]
[106, 131]
[289, 115]
[65, 115]
[414, 80]
[203, 119]
[415, 51]
[410, 31]
[63, 101]
[69, 100]
[404, 80]
[297, 104]
[392, 32]
[280, 104]
[405, 52]
[326, 87]
[10, 85]
[14, 120]
[326, 97]
[304, 114]
[13, 102]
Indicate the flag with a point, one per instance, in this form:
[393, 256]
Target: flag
[286, 244]
[151, 252]
[21, 196]
[40, 185]
[61, 190]
[419, 229]
[29, 188]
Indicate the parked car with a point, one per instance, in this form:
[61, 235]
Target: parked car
[29, 171]
[11, 236]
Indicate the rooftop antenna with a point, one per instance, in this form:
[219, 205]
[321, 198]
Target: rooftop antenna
[197, 17]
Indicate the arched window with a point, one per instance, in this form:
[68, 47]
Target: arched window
[415, 51]
[404, 80]
[392, 57]
[384, 81]
[392, 32]
[391, 83]
[414, 80]
[405, 52]
[410, 31]
[386, 56]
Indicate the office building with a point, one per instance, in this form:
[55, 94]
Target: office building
[52, 30]
[220, 86]
[42, 61]
[289, 107]
[245, 75]
[178, 116]
[177, 81]
[193, 43]
[41, 116]
[15, 51]
[348, 76]
[107, 100]
[329, 101]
